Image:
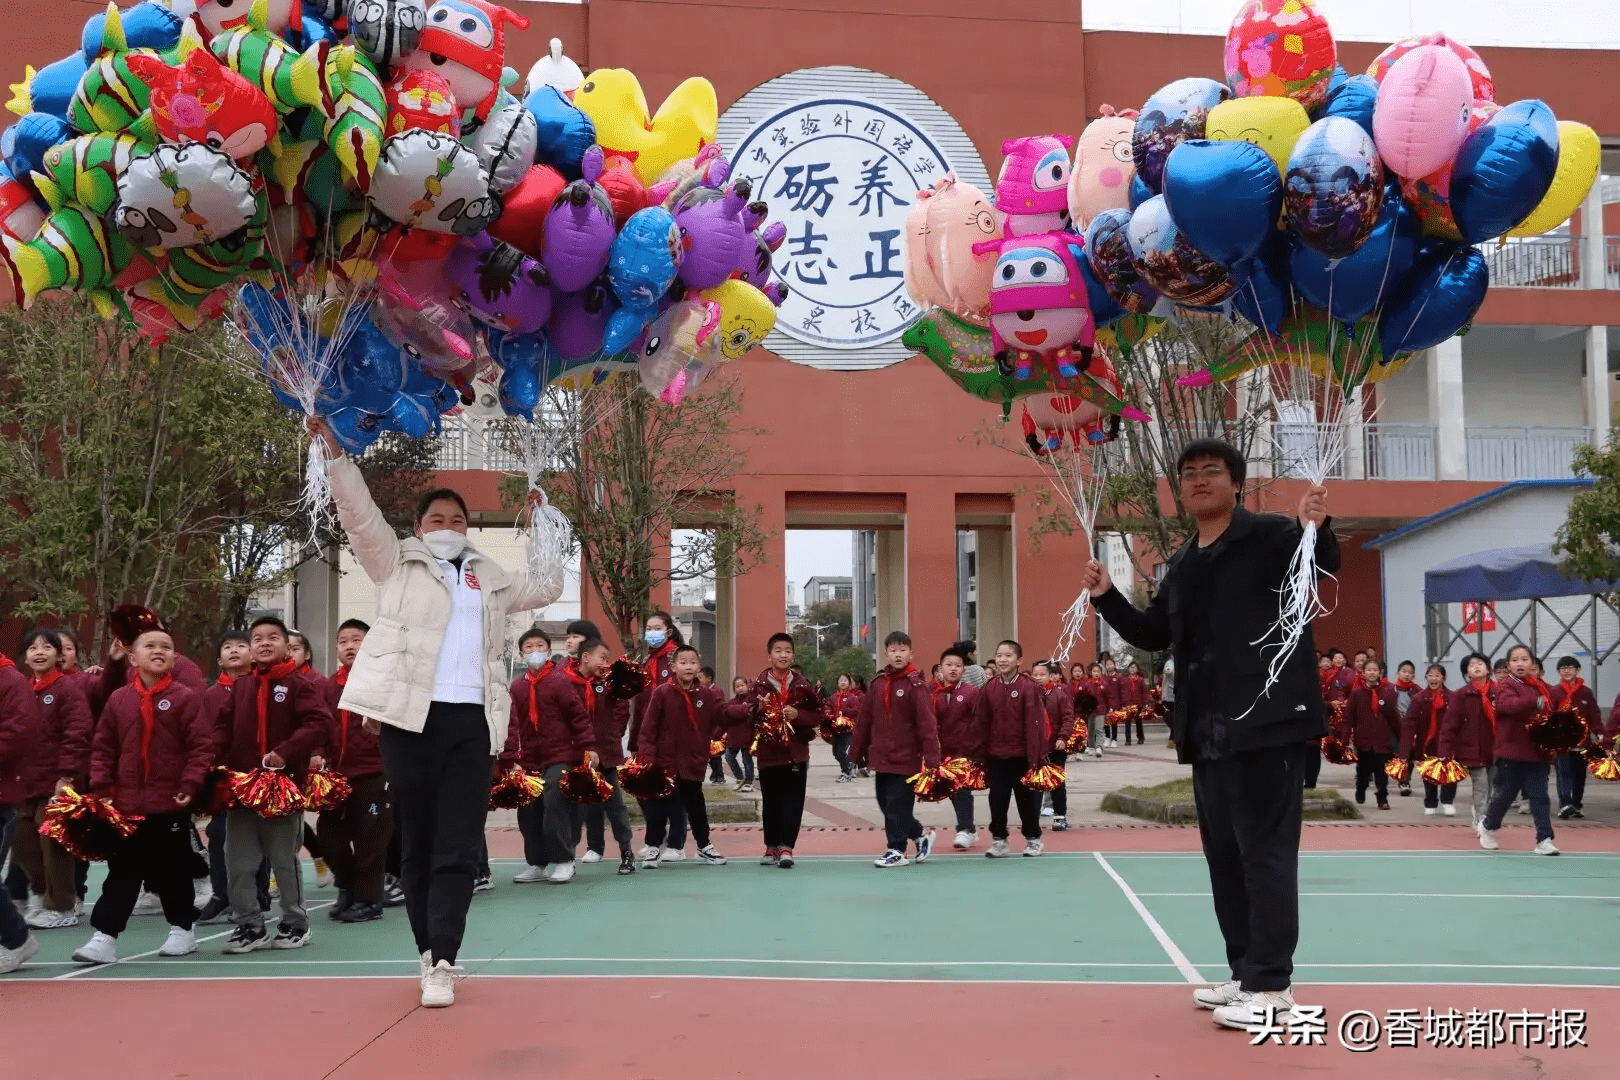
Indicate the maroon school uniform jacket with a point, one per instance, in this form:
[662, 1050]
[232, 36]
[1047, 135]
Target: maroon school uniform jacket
[1467, 731]
[1612, 730]
[1110, 692]
[350, 748]
[295, 724]
[1515, 709]
[548, 724]
[797, 750]
[1373, 718]
[1424, 719]
[1136, 692]
[142, 762]
[1059, 713]
[609, 715]
[117, 673]
[956, 715]
[659, 668]
[20, 731]
[896, 731]
[1012, 719]
[1584, 702]
[846, 703]
[1337, 687]
[66, 730]
[679, 725]
[739, 720]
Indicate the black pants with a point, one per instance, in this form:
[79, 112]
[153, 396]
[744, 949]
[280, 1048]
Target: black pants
[1508, 780]
[1004, 775]
[13, 930]
[594, 816]
[898, 803]
[1433, 796]
[962, 803]
[781, 797]
[687, 794]
[159, 853]
[217, 874]
[1370, 766]
[547, 824]
[745, 773]
[840, 749]
[1571, 770]
[355, 838]
[1060, 795]
[1249, 808]
[440, 780]
[1313, 762]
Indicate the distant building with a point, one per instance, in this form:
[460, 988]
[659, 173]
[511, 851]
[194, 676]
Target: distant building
[819, 590]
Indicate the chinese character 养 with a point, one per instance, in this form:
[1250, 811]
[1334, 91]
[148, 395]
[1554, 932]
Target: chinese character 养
[875, 184]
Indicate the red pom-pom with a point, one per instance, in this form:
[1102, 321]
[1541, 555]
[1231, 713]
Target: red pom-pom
[625, 679]
[1337, 752]
[515, 788]
[269, 793]
[1398, 769]
[1559, 733]
[1045, 778]
[217, 793]
[1606, 769]
[583, 784]
[1442, 771]
[644, 780]
[325, 790]
[1077, 737]
[88, 827]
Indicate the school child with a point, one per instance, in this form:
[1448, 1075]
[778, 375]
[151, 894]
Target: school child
[1572, 765]
[1138, 702]
[1406, 685]
[1521, 766]
[1110, 700]
[1373, 727]
[955, 706]
[586, 671]
[355, 835]
[61, 758]
[1059, 726]
[1468, 730]
[152, 748]
[1421, 725]
[783, 768]
[549, 732]
[1011, 721]
[1095, 689]
[662, 638]
[739, 716]
[683, 717]
[847, 702]
[897, 737]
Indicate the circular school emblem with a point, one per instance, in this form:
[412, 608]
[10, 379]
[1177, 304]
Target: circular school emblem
[49, 699]
[1015, 693]
[163, 706]
[599, 688]
[281, 695]
[899, 693]
[700, 704]
[959, 698]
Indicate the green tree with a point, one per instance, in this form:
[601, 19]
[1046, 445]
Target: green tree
[836, 616]
[1589, 538]
[846, 661]
[627, 470]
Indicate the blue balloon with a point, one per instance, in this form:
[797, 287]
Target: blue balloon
[1139, 192]
[1439, 297]
[147, 25]
[25, 143]
[318, 30]
[1171, 264]
[565, 132]
[411, 416]
[1338, 77]
[1104, 311]
[1335, 187]
[52, 87]
[520, 388]
[1504, 169]
[1264, 297]
[1349, 289]
[1108, 255]
[1176, 111]
[354, 430]
[371, 370]
[1353, 99]
[1223, 196]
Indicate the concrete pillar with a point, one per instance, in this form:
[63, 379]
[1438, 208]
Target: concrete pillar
[930, 561]
[998, 617]
[315, 607]
[1254, 399]
[1446, 410]
[725, 630]
[1598, 383]
[757, 597]
[1593, 255]
[891, 585]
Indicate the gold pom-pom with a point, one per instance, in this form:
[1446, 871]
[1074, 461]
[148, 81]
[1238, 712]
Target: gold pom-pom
[326, 790]
[515, 788]
[269, 793]
[584, 784]
[716, 747]
[1442, 771]
[1077, 737]
[1045, 778]
[1607, 769]
[1398, 769]
[1337, 752]
[643, 780]
[88, 827]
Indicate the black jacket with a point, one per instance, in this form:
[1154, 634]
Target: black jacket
[1246, 567]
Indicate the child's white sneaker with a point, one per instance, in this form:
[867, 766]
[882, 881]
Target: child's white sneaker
[964, 840]
[181, 942]
[100, 949]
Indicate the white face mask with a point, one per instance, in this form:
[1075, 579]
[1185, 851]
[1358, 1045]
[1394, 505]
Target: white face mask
[535, 660]
[445, 543]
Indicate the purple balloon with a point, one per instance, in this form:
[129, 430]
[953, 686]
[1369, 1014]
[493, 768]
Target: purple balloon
[499, 285]
[578, 321]
[1109, 252]
[579, 230]
[713, 234]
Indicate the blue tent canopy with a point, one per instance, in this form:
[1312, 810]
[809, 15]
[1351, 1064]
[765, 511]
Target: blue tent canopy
[1516, 573]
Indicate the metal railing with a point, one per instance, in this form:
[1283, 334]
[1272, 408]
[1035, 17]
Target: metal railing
[452, 455]
[1399, 451]
[1538, 262]
[1382, 451]
[1523, 453]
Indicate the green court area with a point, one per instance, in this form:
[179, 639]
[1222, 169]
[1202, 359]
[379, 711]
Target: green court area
[1372, 917]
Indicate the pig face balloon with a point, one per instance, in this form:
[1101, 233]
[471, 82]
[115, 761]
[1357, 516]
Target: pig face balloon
[1103, 166]
[959, 217]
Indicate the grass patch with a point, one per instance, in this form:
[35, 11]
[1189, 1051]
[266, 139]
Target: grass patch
[726, 807]
[1171, 803]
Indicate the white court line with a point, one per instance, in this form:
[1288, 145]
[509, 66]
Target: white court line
[946, 857]
[168, 962]
[83, 969]
[1177, 957]
[1426, 896]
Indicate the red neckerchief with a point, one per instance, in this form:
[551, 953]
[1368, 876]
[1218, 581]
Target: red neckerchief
[1358, 683]
[652, 662]
[1405, 682]
[1437, 703]
[946, 690]
[686, 698]
[1540, 687]
[1487, 691]
[1327, 678]
[5, 662]
[1136, 683]
[1569, 690]
[341, 677]
[534, 678]
[572, 671]
[782, 686]
[225, 679]
[280, 671]
[888, 688]
[44, 682]
[149, 716]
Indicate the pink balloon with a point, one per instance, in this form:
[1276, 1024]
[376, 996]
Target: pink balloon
[1421, 117]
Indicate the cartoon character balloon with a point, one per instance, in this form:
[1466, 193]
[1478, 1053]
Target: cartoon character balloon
[686, 121]
[432, 182]
[1335, 184]
[579, 230]
[1422, 113]
[1280, 48]
[218, 16]
[386, 30]
[465, 41]
[1479, 75]
[1103, 167]
[1038, 306]
[203, 101]
[177, 196]
[645, 258]
[499, 284]
[679, 349]
[960, 218]
[1177, 111]
[1032, 188]
[1170, 262]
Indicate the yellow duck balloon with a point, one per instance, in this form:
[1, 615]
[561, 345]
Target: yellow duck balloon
[685, 123]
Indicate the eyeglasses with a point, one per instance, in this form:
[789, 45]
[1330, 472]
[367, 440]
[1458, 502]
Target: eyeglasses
[1207, 472]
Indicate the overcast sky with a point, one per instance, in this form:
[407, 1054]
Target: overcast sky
[813, 552]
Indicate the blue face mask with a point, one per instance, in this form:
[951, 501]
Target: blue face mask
[656, 638]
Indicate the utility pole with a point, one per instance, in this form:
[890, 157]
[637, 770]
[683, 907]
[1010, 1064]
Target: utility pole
[818, 630]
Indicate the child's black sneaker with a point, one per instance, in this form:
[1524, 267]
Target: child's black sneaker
[246, 939]
[289, 937]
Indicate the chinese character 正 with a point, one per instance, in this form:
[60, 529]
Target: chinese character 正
[888, 251]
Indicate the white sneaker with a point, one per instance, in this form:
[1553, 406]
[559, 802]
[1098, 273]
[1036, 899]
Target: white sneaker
[100, 949]
[323, 874]
[561, 873]
[424, 964]
[12, 959]
[180, 943]
[890, 858]
[1429, 811]
[591, 857]
[998, 850]
[147, 904]
[647, 851]
[673, 855]
[1544, 847]
[1448, 810]
[925, 846]
[439, 985]
[530, 874]
[1046, 811]
[964, 840]
[651, 858]
[1033, 848]
[1487, 839]
[1213, 997]
[36, 904]
[1249, 1009]
[202, 891]
[711, 856]
[46, 919]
